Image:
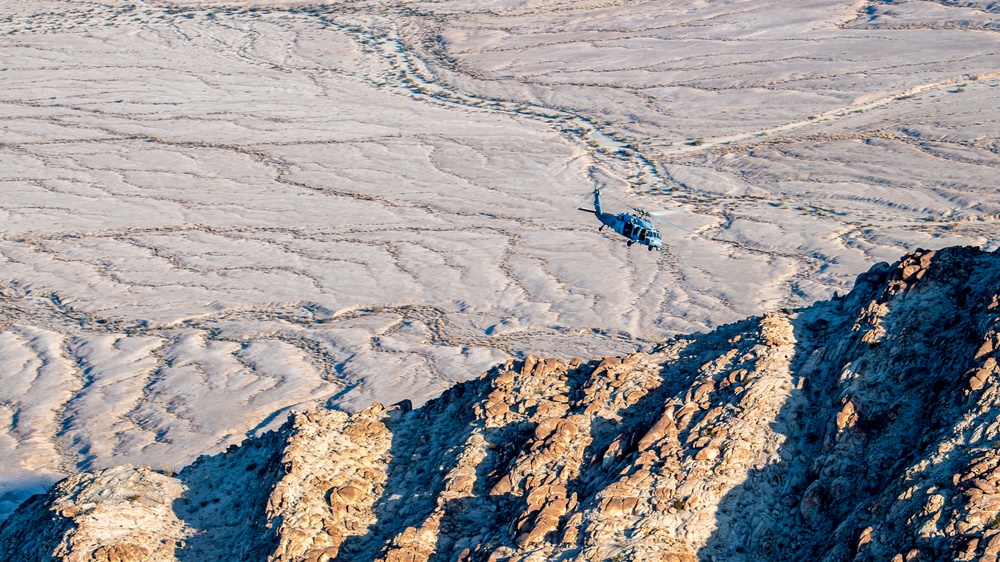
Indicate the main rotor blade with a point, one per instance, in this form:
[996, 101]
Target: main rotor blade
[656, 218]
[633, 207]
[675, 225]
[642, 211]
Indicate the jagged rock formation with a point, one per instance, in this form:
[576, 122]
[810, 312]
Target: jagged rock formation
[862, 428]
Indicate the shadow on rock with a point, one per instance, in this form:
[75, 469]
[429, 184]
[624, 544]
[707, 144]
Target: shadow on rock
[425, 442]
[225, 504]
[874, 462]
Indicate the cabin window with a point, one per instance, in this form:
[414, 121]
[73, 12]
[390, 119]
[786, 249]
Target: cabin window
[642, 234]
[627, 229]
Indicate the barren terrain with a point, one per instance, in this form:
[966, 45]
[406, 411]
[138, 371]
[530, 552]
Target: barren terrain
[863, 428]
[211, 214]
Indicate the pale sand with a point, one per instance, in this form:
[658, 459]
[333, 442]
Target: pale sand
[211, 215]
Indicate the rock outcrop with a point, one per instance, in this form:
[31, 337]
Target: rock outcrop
[862, 428]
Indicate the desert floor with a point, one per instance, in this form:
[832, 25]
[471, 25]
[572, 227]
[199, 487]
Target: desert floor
[211, 214]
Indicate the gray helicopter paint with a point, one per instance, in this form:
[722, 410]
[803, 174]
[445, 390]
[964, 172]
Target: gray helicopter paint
[636, 228]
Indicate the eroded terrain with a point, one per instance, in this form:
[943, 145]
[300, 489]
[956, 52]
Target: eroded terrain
[861, 428]
[214, 213]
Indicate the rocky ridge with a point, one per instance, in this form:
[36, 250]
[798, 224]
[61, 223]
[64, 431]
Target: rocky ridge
[860, 428]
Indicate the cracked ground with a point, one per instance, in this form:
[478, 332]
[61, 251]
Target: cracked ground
[211, 214]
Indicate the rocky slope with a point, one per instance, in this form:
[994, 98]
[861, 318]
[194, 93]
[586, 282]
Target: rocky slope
[861, 428]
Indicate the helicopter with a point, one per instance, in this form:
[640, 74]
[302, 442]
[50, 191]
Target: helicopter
[636, 227]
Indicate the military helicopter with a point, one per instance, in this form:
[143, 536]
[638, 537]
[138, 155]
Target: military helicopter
[636, 227]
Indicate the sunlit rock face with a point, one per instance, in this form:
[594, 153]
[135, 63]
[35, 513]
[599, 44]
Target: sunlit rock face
[859, 428]
[213, 214]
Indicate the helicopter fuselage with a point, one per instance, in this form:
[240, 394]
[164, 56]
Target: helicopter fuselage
[636, 229]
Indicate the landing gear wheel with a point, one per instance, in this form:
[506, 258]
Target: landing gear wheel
[650, 248]
[629, 243]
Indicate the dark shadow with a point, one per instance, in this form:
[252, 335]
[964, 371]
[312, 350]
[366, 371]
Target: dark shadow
[498, 515]
[840, 489]
[615, 448]
[832, 489]
[483, 513]
[421, 445]
[746, 528]
[614, 444]
[32, 533]
[226, 502]
[22, 488]
[490, 512]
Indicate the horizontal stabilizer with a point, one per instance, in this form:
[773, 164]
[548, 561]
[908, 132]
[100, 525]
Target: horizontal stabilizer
[586, 210]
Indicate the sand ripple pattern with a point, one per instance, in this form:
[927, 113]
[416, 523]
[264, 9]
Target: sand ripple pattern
[213, 214]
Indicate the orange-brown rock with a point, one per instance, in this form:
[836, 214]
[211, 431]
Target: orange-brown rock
[847, 416]
[762, 440]
[350, 494]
